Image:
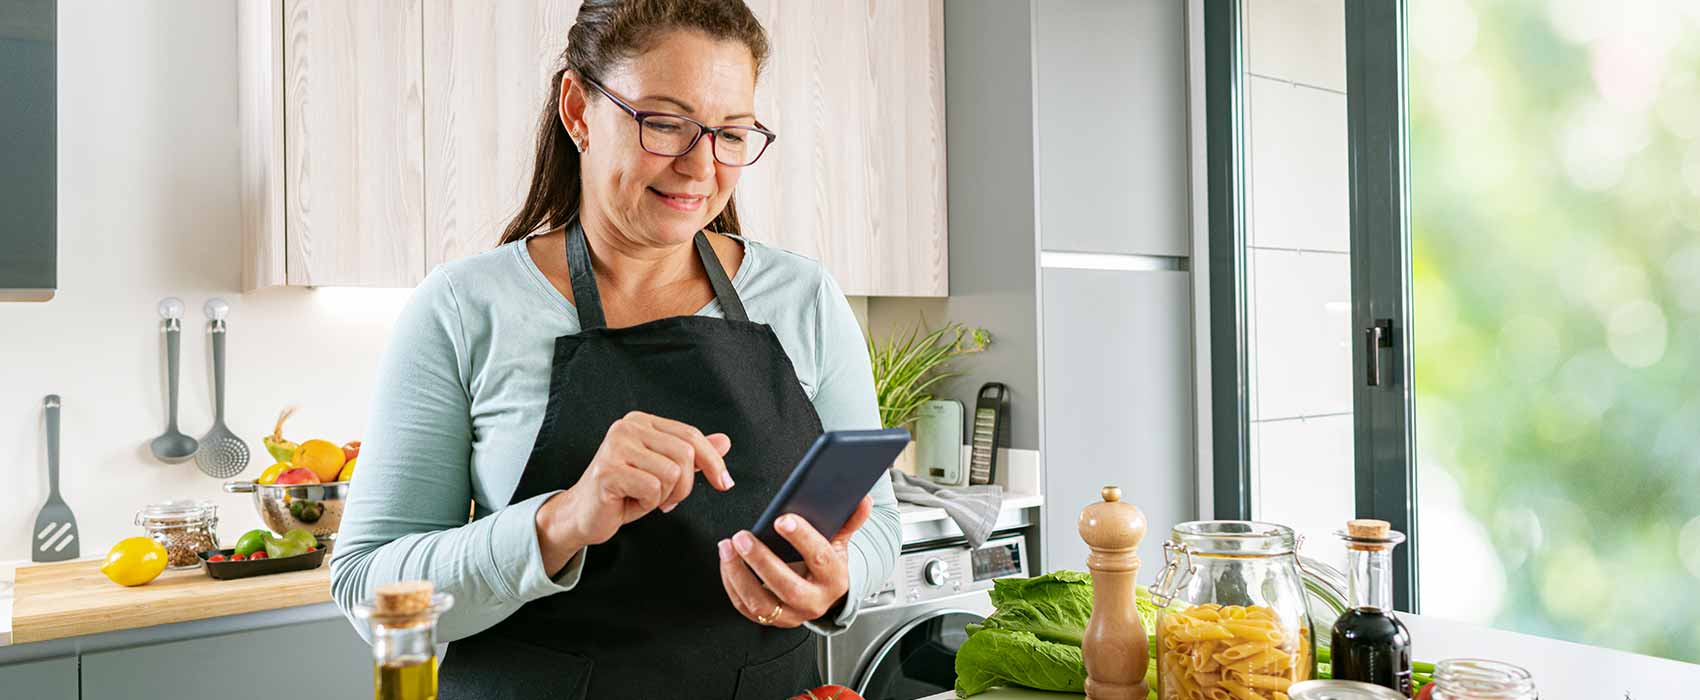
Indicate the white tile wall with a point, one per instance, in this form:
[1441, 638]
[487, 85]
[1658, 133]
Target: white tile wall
[1299, 169]
[1304, 356]
[1305, 483]
[1251, 334]
[1299, 40]
[1299, 354]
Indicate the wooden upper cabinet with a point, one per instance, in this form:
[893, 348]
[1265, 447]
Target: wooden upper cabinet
[352, 142]
[487, 72]
[857, 178]
[408, 132]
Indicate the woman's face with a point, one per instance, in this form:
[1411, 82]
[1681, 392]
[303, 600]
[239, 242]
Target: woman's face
[657, 200]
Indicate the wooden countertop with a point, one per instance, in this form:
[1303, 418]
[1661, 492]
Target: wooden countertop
[72, 598]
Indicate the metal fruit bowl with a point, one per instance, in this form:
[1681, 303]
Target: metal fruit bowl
[316, 508]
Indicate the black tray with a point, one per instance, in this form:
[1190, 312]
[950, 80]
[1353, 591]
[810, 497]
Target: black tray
[227, 569]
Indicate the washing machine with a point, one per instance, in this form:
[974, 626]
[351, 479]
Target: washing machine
[904, 641]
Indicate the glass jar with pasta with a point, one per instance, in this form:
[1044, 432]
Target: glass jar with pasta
[1233, 623]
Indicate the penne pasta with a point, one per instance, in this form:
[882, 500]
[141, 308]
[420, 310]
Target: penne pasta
[1201, 654]
[1215, 652]
[1265, 631]
[1258, 680]
[1267, 660]
[1202, 632]
[1241, 692]
[1239, 652]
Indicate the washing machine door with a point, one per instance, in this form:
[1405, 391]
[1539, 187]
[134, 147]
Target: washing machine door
[919, 659]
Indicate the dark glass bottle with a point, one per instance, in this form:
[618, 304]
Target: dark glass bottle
[1369, 643]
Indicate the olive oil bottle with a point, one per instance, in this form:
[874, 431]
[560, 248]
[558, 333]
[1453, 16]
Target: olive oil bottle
[403, 617]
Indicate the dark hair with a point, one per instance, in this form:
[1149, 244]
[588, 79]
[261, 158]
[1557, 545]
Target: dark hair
[605, 33]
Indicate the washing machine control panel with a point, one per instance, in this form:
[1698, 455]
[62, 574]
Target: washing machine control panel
[947, 570]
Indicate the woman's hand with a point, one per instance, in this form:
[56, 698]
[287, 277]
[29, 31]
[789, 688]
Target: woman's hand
[794, 593]
[645, 463]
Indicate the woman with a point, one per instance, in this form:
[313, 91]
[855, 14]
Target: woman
[577, 381]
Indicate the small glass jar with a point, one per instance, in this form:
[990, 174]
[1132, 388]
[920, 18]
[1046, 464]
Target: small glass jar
[184, 528]
[1481, 679]
[404, 651]
[1233, 615]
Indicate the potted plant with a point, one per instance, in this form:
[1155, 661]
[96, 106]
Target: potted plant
[907, 369]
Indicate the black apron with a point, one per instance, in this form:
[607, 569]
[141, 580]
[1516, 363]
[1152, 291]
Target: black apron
[649, 617]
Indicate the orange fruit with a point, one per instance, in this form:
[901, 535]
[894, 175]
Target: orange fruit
[324, 457]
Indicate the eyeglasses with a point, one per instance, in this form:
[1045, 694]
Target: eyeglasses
[673, 135]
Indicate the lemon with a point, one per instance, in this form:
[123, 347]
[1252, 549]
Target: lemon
[134, 561]
[270, 474]
[324, 457]
[347, 473]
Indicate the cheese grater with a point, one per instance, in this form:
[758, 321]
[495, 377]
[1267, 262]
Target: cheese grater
[990, 431]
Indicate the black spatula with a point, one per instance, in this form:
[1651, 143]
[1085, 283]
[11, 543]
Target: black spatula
[55, 527]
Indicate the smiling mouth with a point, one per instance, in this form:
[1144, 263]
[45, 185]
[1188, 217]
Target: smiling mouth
[690, 199]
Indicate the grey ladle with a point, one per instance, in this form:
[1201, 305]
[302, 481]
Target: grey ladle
[222, 454]
[173, 447]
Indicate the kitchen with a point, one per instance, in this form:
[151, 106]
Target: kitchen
[1096, 279]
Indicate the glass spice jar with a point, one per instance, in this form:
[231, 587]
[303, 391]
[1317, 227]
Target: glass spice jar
[1480, 679]
[184, 528]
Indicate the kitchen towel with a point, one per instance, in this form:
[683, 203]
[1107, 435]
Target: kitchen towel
[974, 508]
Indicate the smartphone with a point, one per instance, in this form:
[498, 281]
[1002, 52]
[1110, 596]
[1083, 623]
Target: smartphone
[827, 484]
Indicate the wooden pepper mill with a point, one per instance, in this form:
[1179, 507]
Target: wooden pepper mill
[1115, 647]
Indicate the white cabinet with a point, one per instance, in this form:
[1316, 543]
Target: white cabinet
[1118, 402]
[383, 138]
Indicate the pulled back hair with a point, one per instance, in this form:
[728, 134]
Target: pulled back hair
[605, 33]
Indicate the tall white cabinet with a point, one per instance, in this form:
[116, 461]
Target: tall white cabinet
[1116, 288]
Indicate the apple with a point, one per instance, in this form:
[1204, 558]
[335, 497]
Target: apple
[298, 475]
[350, 450]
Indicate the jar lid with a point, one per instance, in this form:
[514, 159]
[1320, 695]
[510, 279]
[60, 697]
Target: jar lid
[1234, 537]
[177, 513]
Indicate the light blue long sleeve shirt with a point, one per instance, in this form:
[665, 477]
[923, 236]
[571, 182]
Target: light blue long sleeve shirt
[460, 396]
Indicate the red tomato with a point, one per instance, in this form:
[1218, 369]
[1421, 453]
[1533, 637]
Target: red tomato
[238, 557]
[828, 692]
[257, 555]
[216, 557]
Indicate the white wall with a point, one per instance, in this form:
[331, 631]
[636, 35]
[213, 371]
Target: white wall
[148, 208]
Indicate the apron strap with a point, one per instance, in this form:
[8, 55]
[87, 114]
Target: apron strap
[583, 278]
[589, 300]
[730, 304]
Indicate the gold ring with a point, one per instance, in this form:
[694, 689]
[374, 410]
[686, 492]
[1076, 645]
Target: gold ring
[770, 617]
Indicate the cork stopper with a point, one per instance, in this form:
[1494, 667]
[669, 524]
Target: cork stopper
[403, 601]
[1367, 535]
